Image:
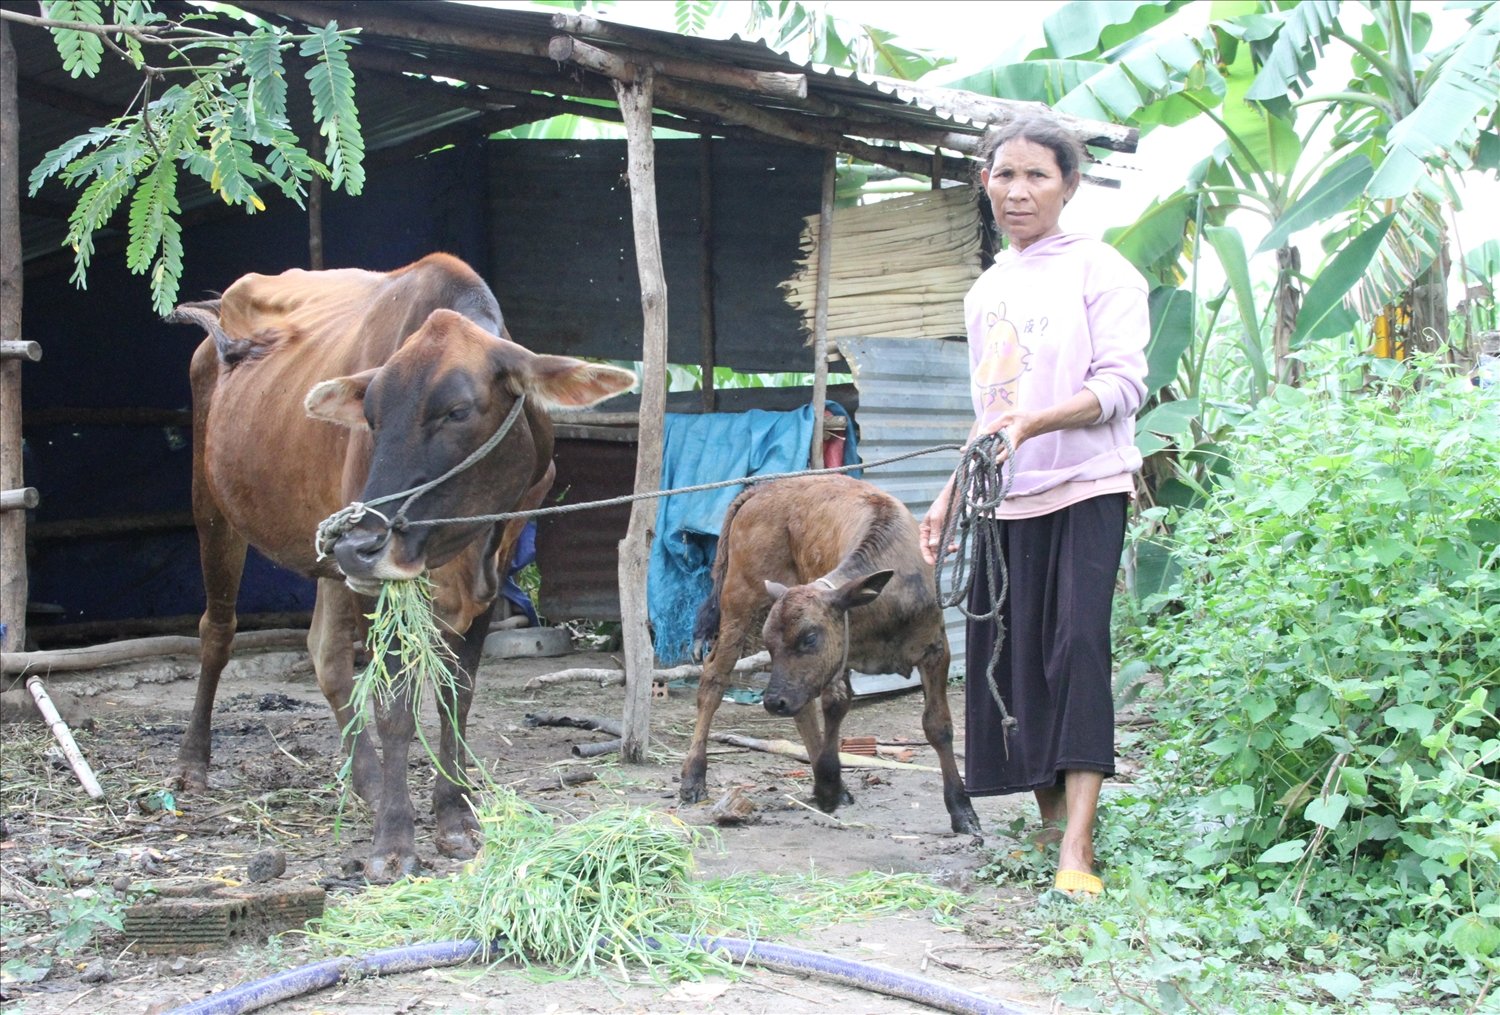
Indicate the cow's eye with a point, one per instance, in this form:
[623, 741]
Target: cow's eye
[808, 642]
[459, 413]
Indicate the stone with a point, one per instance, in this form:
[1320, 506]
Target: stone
[267, 865]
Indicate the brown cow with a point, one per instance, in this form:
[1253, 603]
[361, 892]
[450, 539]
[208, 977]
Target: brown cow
[318, 388]
[860, 597]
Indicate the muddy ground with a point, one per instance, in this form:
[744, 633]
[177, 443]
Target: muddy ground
[275, 751]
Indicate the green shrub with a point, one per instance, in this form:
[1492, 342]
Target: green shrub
[1331, 664]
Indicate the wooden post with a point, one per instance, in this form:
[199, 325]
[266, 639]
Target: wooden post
[315, 216]
[635, 548]
[13, 584]
[707, 326]
[820, 307]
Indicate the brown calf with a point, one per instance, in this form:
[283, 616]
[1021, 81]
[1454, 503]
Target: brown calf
[833, 565]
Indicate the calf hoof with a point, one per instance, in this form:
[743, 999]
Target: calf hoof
[692, 791]
[830, 802]
[392, 867]
[965, 821]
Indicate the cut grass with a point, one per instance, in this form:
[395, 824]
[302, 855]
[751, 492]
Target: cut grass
[610, 891]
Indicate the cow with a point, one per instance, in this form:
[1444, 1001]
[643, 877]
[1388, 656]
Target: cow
[833, 565]
[315, 389]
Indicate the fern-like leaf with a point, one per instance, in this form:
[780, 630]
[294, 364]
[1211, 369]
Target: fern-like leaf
[331, 84]
[153, 204]
[53, 162]
[267, 74]
[691, 16]
[80, 51]
[234, 170]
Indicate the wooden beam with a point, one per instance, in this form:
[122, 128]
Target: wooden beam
[707, 324]
[640, 662]
[14, 589]
[374, 23]
[23, 499]
[773, 83]
[820, 306]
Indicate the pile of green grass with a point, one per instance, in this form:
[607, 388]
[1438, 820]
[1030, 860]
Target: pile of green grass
[611, 890]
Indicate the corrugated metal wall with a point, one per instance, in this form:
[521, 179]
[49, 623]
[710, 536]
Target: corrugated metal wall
[913, 394]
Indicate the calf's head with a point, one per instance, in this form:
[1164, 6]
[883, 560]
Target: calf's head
[445, 392]
[806, 634]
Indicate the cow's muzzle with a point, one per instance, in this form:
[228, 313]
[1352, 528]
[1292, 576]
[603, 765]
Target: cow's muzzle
[360, 552]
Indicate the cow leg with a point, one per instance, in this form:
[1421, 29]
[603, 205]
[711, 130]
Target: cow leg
[221, 553]
[711, 686]
[394, 852]
[330, 642]
[829, 790]
[458, 832]
[937, 723]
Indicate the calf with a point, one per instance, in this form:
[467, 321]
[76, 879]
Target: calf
[833, 565]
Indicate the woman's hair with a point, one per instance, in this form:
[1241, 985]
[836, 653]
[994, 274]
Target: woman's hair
[1038, 128]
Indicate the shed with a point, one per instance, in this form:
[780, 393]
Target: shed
[582, 241]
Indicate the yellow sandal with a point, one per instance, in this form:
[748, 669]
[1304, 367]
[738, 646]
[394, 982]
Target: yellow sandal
[1072, 881]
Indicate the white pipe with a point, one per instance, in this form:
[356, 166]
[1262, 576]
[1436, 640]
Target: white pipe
[64, 737]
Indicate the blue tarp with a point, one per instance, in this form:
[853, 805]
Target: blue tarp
[708, 448]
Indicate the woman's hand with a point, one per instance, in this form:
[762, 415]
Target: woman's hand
[1018, 426]
[930, 531]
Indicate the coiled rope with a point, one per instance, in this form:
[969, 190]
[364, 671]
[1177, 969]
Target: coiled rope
[980, 483]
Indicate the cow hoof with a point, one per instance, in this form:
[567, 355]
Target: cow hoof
[459, 845]
[691, 792]
[190, 778]
[391, 867]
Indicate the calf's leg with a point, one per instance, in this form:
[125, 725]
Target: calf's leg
[829, 790]
[331, 639]
[937, 724]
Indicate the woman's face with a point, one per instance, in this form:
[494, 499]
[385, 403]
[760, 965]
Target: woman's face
[1027, 191]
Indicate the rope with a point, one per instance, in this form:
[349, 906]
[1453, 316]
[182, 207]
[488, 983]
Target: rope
[561, 509]
[980, 483]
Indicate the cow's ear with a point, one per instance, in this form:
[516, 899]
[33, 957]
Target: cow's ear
[571, 383]
[862, 591]
[776, 589]
[340, 400]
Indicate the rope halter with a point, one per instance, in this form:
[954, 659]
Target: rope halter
[332, 528]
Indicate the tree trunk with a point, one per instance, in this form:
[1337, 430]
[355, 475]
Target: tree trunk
[1428, 300]
[1286, 303]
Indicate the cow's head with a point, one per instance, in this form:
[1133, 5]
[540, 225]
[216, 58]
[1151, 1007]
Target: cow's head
[807, 636]
[446, 391]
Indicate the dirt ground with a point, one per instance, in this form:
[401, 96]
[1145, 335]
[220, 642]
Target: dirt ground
[275, 754]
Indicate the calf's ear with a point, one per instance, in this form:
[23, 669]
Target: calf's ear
[862, 591]
[776, 589]
[569, 382]
[340, 400]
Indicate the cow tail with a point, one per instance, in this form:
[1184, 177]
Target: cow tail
[706, 625]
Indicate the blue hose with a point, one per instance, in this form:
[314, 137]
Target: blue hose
[259, 994]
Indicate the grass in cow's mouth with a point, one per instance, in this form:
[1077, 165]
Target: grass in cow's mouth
[403, 631]
[609, 891]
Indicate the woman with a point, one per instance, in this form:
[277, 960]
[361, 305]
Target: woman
[1057, 336]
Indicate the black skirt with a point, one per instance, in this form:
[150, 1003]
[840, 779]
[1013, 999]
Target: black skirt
[1054, 672]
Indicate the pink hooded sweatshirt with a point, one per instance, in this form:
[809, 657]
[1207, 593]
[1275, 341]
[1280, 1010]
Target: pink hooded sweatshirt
[1067, 313]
